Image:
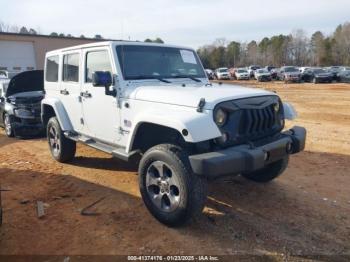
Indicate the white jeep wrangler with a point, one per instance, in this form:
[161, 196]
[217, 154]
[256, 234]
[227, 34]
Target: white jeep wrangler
[154, 101]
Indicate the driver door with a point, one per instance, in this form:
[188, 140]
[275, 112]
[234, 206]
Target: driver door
[101, 112]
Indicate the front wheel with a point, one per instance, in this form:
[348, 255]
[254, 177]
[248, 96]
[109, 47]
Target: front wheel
[269, 172]
[169, 189]
[8, 126]
[62, 149]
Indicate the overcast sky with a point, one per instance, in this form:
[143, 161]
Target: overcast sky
[186, 22]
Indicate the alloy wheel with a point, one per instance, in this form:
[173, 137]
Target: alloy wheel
[54, 140]
[8, 127]
[163, 186]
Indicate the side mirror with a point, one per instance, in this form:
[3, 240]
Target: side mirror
[2, 99]
[101, 78]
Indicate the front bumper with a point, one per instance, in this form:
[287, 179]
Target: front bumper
[243, 77]
[247, 158]
[292, 78]
[27, 127]
[323, 79]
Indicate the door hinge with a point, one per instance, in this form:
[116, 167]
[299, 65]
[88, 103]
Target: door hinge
[123, 131]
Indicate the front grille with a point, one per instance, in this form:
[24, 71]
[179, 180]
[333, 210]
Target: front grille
[252, 119]
[256, 122]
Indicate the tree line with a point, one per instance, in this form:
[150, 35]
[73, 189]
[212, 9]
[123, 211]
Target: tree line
[294, 49]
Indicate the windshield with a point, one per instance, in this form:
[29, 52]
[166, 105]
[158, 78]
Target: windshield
[262, 71]
[152, 62]
[291, 69]
[242, 71]
[223, 70]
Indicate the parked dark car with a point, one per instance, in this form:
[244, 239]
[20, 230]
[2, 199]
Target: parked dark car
[334, 70]
[289, 74]
[317, 75]
[20, 104]
[344, 76]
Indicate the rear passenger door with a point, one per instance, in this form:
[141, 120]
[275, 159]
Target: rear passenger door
[70, 88]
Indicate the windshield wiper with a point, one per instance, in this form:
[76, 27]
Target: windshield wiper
[150, 77]
[190, 77]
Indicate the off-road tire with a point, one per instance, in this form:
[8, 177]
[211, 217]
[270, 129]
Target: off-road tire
[192, 188]
[65, 150]
[269, 172]
[8, 130]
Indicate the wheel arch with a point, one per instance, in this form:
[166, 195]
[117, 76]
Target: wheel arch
[53, 107]
[190, 127]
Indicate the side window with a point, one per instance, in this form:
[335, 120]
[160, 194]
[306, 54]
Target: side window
[71, 68]
[52, 69]
[96, 61]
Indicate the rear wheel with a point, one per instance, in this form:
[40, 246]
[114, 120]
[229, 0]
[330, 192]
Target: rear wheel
[169, 189]
[8, 125]
[269, 172]
[62, 149]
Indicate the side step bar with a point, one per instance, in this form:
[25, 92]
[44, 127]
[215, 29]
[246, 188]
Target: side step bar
[118, 152]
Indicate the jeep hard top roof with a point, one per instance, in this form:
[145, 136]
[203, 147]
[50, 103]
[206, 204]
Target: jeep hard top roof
[112, 44]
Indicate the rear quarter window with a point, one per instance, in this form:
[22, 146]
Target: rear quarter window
[51, 74]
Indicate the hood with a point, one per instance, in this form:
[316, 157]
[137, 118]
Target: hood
[190, 95]
[26, 82]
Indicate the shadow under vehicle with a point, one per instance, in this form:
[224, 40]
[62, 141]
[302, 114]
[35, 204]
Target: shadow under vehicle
[20, 104]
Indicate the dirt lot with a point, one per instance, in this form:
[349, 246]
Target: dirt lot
[306, 211]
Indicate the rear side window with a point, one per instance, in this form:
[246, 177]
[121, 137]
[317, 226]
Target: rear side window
[96, 61]
[51, 69]
[71, 68]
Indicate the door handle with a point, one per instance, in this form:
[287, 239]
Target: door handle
[85, 94]
[64, 92]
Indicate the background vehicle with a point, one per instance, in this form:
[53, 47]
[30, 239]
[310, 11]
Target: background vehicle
[222, 73]
[164, 111]
[20, 104]
[251, 69]
[344, 76]
[289, 74]
[242, 74]
[303, 69]
[317, 75]
[269, 68]
[262, 75]
[4, 74]
[232, 72]
[210, 74]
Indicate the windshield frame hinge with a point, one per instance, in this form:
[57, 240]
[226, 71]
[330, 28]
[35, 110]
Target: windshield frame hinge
[201, 105]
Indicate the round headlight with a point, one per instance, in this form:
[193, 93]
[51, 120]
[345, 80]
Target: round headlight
[220, 117]
[276, 107]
